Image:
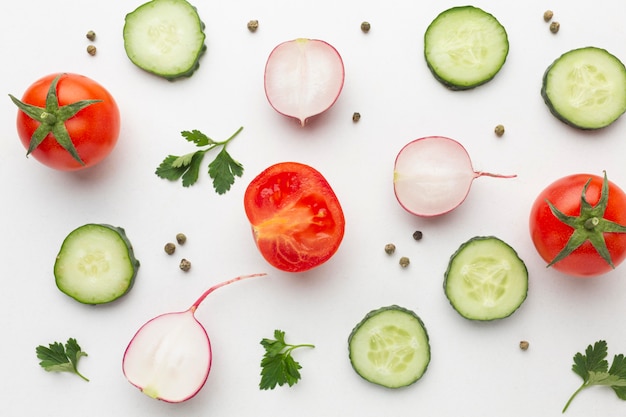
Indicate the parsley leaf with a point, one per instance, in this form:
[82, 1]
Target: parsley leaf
[278, 366]
[61, 358]
[594, 369]
[222, 170]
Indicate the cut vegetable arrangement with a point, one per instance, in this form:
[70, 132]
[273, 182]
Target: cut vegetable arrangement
[433, 175]
[465, 47]
[96, 264]
[486, 279]
[390, 347]
[303, 78]
[586, 88]
[165, 38]
[170, 357]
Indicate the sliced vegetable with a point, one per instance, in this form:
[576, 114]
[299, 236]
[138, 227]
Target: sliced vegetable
[586, 88]
[390, 347]
[303, 78]
[486, 279]
[170, 356]
[578, 225]
[67, 121]
[165, 38]
[465, 47]
[433, 175]
[96, 264]
[296, 218]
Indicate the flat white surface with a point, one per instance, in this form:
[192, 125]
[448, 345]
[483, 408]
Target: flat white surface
[477, 369]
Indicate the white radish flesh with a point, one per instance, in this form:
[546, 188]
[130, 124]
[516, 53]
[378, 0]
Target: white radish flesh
[303, 78]
[170, 357]
[433, 175]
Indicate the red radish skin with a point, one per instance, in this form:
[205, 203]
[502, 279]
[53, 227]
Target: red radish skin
[170, 356]
[433, 175]
[303, 78]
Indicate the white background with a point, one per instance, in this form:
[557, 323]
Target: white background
[477, 369]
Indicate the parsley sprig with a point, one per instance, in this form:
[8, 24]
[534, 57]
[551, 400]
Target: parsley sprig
[278, 366]
[594, 369]
[222, 170]
[61, 358]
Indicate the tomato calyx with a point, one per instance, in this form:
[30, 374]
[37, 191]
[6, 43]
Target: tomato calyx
[590, 225]
[52, 119]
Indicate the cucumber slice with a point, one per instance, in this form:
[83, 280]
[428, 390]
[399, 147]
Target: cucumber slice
[586, 88]
[465, 47]
[486, 279]
[165, 37]
[96, 264]
[390, 347]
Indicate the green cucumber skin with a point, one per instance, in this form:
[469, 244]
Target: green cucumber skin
[135, 263]
[455, 86]
[374, 313]
[550, 105]
[447, 274]
[169, 76]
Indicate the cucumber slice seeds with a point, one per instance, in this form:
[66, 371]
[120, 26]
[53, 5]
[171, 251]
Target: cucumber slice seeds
[586, 88]
[465, 47]
[486, 279]
[165, 38]
[96, 264]
[390, 347]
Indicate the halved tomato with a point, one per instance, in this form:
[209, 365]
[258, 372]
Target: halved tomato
[296, 218]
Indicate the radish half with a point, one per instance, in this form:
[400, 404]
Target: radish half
[433, 175]
[303, 78]
[169, 358]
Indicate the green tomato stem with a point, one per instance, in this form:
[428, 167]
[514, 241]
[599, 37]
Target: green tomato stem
[591, 223]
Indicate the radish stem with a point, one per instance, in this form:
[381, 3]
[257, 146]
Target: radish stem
[195, 305]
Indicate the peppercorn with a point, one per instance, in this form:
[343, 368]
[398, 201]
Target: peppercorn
[547, 15]
[554, 27]
[390, 248]
[524, 345]
[417, 235]
[91, 50]
[91, 35]
[181, 238]
[185, 265]
[253, 25]
[404, 262]
[356, 117]
[170, 248]
[365, 27]
[499, 130]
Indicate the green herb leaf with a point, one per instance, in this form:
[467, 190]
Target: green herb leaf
[594, 369]
[278, 366]
[197, 137]
[222, 170]
[59, 358]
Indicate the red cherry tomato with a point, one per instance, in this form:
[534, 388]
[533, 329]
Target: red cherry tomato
[93, 131]
[588, 223]
[296, 218]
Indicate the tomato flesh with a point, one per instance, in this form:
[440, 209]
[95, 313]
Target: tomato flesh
[550, 235]
[296, 218]
[94, 130]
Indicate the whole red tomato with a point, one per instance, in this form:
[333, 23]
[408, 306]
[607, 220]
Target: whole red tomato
[577, 225]
[296, 218]
[67, 121]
